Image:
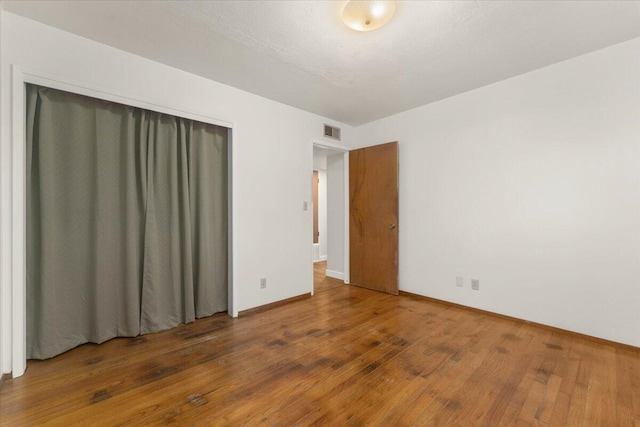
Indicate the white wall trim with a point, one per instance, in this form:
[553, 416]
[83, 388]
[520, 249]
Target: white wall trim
[18, 229]
[335, 274]
[17, 239]
[38, 78]
[310, 226]
[232, 301]
[347, 256]
[330, 145]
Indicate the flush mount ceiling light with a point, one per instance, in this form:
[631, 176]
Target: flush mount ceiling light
[367, 15]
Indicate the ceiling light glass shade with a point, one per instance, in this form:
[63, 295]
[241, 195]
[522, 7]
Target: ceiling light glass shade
[367, 15]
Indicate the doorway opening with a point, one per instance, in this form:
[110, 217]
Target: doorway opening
[330, 244]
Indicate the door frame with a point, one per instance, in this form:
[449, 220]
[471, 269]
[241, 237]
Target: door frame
[16, 241]
[339, 148]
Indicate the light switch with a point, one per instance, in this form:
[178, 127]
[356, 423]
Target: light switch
[305, 206]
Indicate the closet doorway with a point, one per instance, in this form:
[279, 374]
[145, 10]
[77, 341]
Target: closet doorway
[19, 175]
[127, 221]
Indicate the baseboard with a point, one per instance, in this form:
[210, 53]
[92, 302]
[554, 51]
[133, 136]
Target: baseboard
[269, 306]
[3, 378]
[323, 257]
[335, 274]
[528, 322]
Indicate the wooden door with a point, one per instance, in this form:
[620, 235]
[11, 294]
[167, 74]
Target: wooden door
[373, 217]
[316, 233]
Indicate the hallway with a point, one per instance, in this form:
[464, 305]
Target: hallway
[320, 280]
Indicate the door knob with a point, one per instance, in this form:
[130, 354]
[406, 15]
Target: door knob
[392, 226]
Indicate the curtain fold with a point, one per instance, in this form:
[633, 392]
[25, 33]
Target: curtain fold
[126, 221]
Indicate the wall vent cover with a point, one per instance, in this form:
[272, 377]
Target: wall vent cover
[332, 132]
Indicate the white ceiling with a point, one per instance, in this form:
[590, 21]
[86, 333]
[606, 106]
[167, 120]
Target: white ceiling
[300, 53]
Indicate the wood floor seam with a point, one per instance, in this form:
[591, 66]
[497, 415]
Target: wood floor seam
[346, 356]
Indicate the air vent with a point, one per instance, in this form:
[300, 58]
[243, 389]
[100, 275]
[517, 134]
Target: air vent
[332, 132]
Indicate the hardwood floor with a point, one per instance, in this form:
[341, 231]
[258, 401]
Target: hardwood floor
[345, 357]
[320, 280]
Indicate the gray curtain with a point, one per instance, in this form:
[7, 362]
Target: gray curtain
[126, 221]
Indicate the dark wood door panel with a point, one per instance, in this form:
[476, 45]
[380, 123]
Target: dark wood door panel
[373, 217]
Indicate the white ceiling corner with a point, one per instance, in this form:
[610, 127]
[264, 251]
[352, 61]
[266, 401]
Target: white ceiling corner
[300, 53]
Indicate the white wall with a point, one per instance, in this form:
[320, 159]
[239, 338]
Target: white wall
[272, 237]
[319, 161]
[532, 186]
[5, 322]
[335, 216]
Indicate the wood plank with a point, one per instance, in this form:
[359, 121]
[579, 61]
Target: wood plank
[320, 280]
[348, 356]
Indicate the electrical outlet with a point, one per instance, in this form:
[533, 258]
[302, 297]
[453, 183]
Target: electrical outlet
[475, 284]
[459, 281]
[263, 283]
